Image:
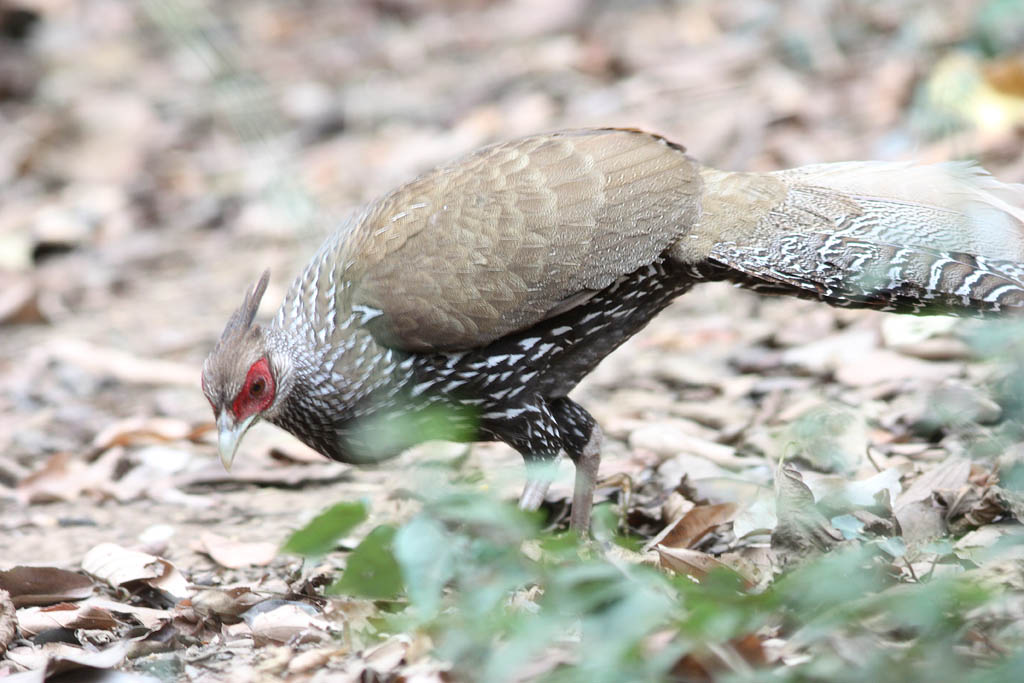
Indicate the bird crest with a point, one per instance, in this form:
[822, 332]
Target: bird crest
[241, 320]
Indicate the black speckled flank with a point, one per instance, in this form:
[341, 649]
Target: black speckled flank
[518, 385]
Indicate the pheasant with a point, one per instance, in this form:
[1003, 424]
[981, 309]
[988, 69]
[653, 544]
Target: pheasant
[489, 287]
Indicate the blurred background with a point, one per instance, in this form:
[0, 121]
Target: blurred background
[156, 156]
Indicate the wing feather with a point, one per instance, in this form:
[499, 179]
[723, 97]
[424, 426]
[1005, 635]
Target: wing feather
[493, 243]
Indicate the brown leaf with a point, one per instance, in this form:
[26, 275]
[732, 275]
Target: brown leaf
[950, 474]
[883, 365]
[150, 618]
[65, 478]
[801, 528]
[236, 554]
[1006, 74]
[225, 603]
[294, 475]
[288, 623]
[19, 299]
[144, 430]
[55, 658]
[668, 439]
[120, 566]
[692, 563]
[43, 585]
[692, 526]
[737, 655]
[35, 620]
[386, 657]
[310, 660]
[61, 477]
[121, 365]
[970, 507]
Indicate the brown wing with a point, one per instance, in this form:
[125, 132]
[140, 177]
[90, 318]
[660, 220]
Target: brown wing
[516, 232]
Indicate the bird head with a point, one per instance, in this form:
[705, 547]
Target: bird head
[239, 377]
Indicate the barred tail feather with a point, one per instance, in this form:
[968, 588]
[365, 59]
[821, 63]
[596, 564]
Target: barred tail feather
[954, 206]
[855, 274]
[945, 238]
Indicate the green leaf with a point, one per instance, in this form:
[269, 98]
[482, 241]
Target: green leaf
[427, 556]
[320, 535]
[391, 432]
[850, 526]
[372, 571]
[894, 546]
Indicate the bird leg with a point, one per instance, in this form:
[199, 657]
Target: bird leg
[538, 481]
[588, 460]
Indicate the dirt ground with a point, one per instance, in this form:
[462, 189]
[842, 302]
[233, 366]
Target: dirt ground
[155, 157]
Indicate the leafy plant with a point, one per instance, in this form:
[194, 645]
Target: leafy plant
[502, 600]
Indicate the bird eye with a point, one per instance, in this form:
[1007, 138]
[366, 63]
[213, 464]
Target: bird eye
[257, 387]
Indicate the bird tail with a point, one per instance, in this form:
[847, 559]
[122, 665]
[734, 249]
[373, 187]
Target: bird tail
[943, 238]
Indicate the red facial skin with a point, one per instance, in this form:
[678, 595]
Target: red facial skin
[257, 392]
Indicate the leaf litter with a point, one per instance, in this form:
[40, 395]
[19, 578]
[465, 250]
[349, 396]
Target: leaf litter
[768, 446]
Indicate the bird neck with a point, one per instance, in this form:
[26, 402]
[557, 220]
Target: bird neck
[338, 361]
[342, 392]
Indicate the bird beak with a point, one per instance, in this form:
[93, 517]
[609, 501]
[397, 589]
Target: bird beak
[229, 434]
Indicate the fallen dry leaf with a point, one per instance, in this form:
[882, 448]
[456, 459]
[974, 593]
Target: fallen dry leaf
[227, 604]
[19, 299]
[29, 585]
[144, 430]
[288, 622]
[801, 528]
[120, 365]
[739, 654]
[951, 474]
[692, 563]
[120, 566]
[692, 526]
[978, 541]
[236, 554]
[825, 355]
[1012, 501]
[149, 617]
[385, 657]
[293, 475]
[920, 521]
[839, 494]
[883, 365]
[970, 507]
[316, 658]
[756, 517]
[35, 620]
[65, 477]
[55, 658]
[669, 439]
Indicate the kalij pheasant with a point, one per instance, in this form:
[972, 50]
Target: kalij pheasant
[489, 287]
